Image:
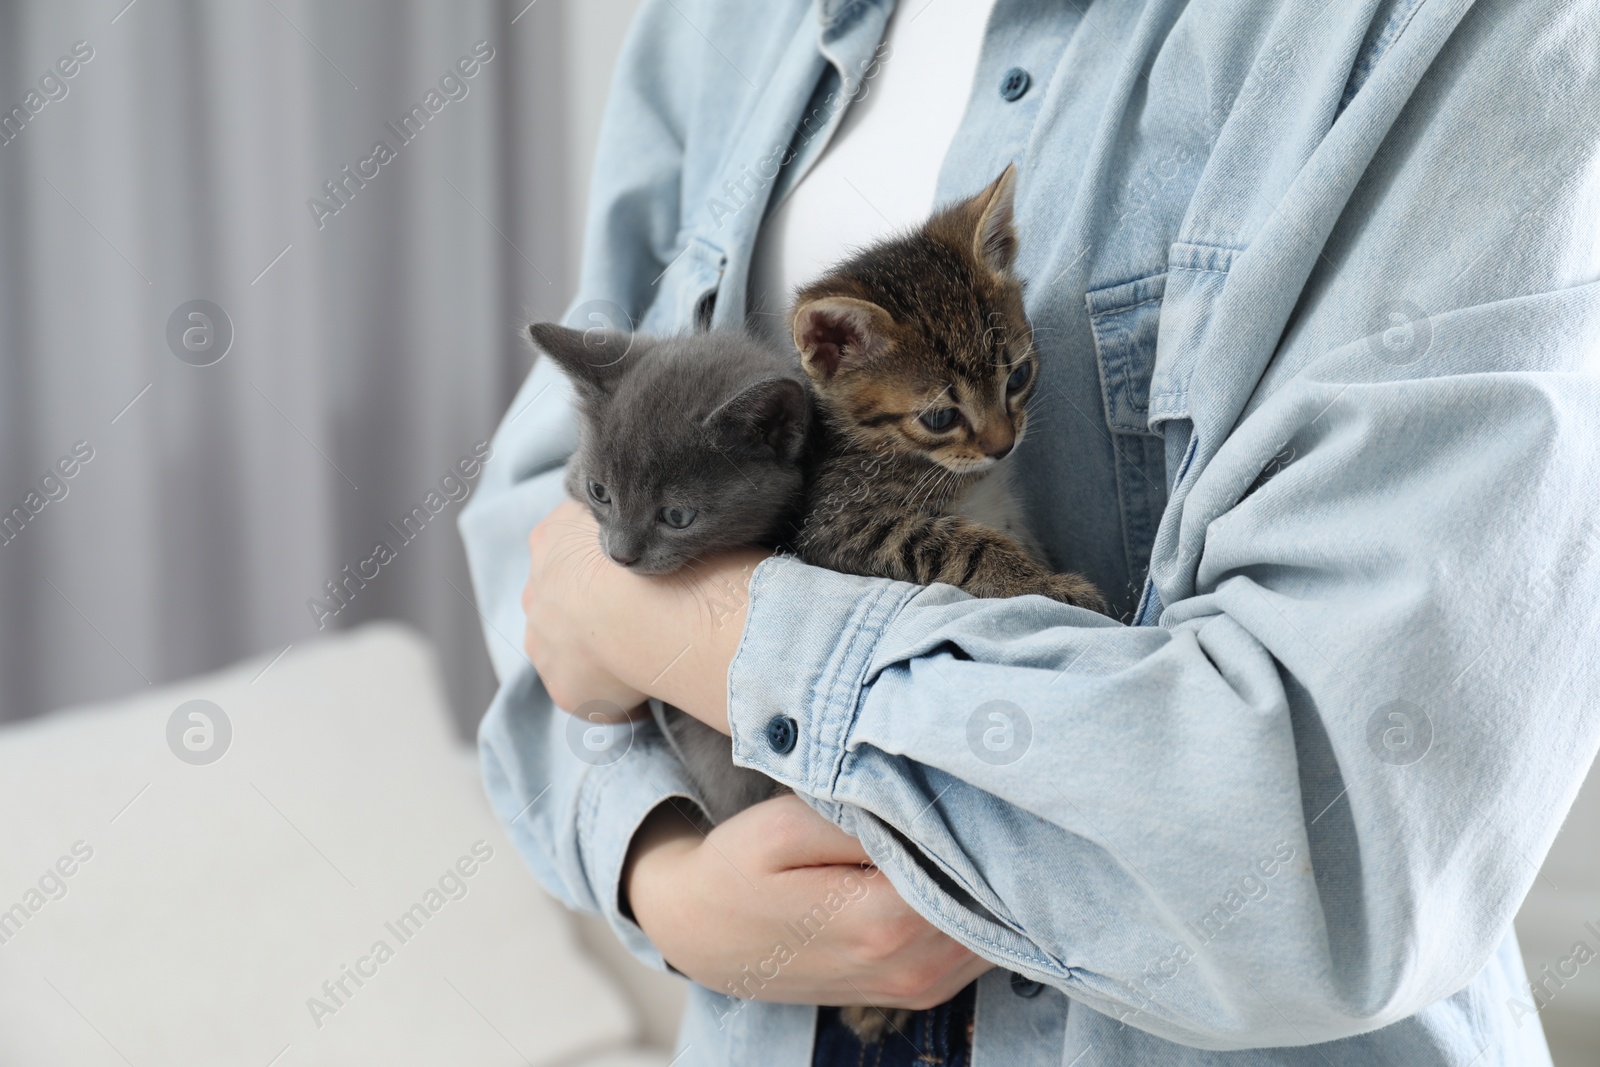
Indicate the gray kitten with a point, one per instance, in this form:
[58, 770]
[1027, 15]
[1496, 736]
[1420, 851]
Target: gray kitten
[687, 446]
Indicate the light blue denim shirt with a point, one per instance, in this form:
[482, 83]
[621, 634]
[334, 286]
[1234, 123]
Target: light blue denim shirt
[1315, 290]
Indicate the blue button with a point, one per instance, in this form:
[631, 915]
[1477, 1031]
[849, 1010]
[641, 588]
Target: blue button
[782, 733]
[1025, 987]
[1015, 83]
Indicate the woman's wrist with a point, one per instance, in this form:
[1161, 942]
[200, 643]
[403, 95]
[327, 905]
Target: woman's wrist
[599, 634]
[675, 637]
[664, 841]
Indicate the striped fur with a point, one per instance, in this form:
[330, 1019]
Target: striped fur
[928, 322]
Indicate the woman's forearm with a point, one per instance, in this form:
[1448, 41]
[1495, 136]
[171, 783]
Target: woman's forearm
[678, 639]
[599, 632]
[715, 905]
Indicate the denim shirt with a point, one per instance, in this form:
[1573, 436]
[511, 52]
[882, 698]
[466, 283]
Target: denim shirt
[1314, 287]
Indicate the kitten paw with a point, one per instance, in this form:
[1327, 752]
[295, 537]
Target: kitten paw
[874, 1024]
[1076, 590]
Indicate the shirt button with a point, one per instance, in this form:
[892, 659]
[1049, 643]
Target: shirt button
[782, 732]
[1024, 987]
[1015, 83]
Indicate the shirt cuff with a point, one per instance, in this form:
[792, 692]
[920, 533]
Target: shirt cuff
[571, 808]
[796, 681]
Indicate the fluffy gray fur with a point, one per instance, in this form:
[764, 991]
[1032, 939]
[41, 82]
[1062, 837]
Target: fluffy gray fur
[716, 423]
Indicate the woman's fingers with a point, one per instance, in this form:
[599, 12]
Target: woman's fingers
[559, 638]
[791, 835]
[744, 912]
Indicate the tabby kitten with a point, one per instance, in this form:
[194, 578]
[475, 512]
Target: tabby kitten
[923, 362]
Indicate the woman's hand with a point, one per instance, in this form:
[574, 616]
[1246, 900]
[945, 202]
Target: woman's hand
[778, 904]
[599, 632]
[563, 638]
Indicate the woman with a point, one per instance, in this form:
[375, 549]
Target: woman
[1314, 290]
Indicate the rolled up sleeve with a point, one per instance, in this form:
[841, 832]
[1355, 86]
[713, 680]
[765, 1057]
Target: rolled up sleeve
[1308, 803]
[572, 794]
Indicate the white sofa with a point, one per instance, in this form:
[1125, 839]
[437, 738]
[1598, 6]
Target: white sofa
[159, 909]
[1562, 909]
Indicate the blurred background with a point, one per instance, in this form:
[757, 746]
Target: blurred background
[189, 157]
[240, 346]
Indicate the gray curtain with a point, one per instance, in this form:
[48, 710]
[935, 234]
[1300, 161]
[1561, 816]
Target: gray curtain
[167, 511]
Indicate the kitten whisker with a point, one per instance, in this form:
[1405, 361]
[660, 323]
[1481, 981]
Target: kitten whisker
[932, 474]
[942, 479]
[924, 487]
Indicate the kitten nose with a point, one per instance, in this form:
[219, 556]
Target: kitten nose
[621, 549]
[997, 447]
[997, 440]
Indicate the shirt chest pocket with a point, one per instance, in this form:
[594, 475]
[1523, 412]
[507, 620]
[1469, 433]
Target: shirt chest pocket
[1146, 336]
[1141, 384]
[1125, 320]
[687, 290]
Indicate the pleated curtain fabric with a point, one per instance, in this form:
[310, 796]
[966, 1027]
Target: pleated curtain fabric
[261, 266]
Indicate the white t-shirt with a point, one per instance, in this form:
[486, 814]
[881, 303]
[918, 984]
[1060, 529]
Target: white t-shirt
[878, 174]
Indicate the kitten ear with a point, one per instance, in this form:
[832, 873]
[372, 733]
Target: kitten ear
[594, 359]
[994, 240]
[839, 332]
[771, 416]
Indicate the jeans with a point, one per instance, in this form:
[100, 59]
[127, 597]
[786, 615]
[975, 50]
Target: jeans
[940, 1035]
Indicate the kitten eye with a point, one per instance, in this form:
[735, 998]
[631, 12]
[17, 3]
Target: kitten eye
[678, 518]
[1019, 377]
[941, 420]
[599, 492]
